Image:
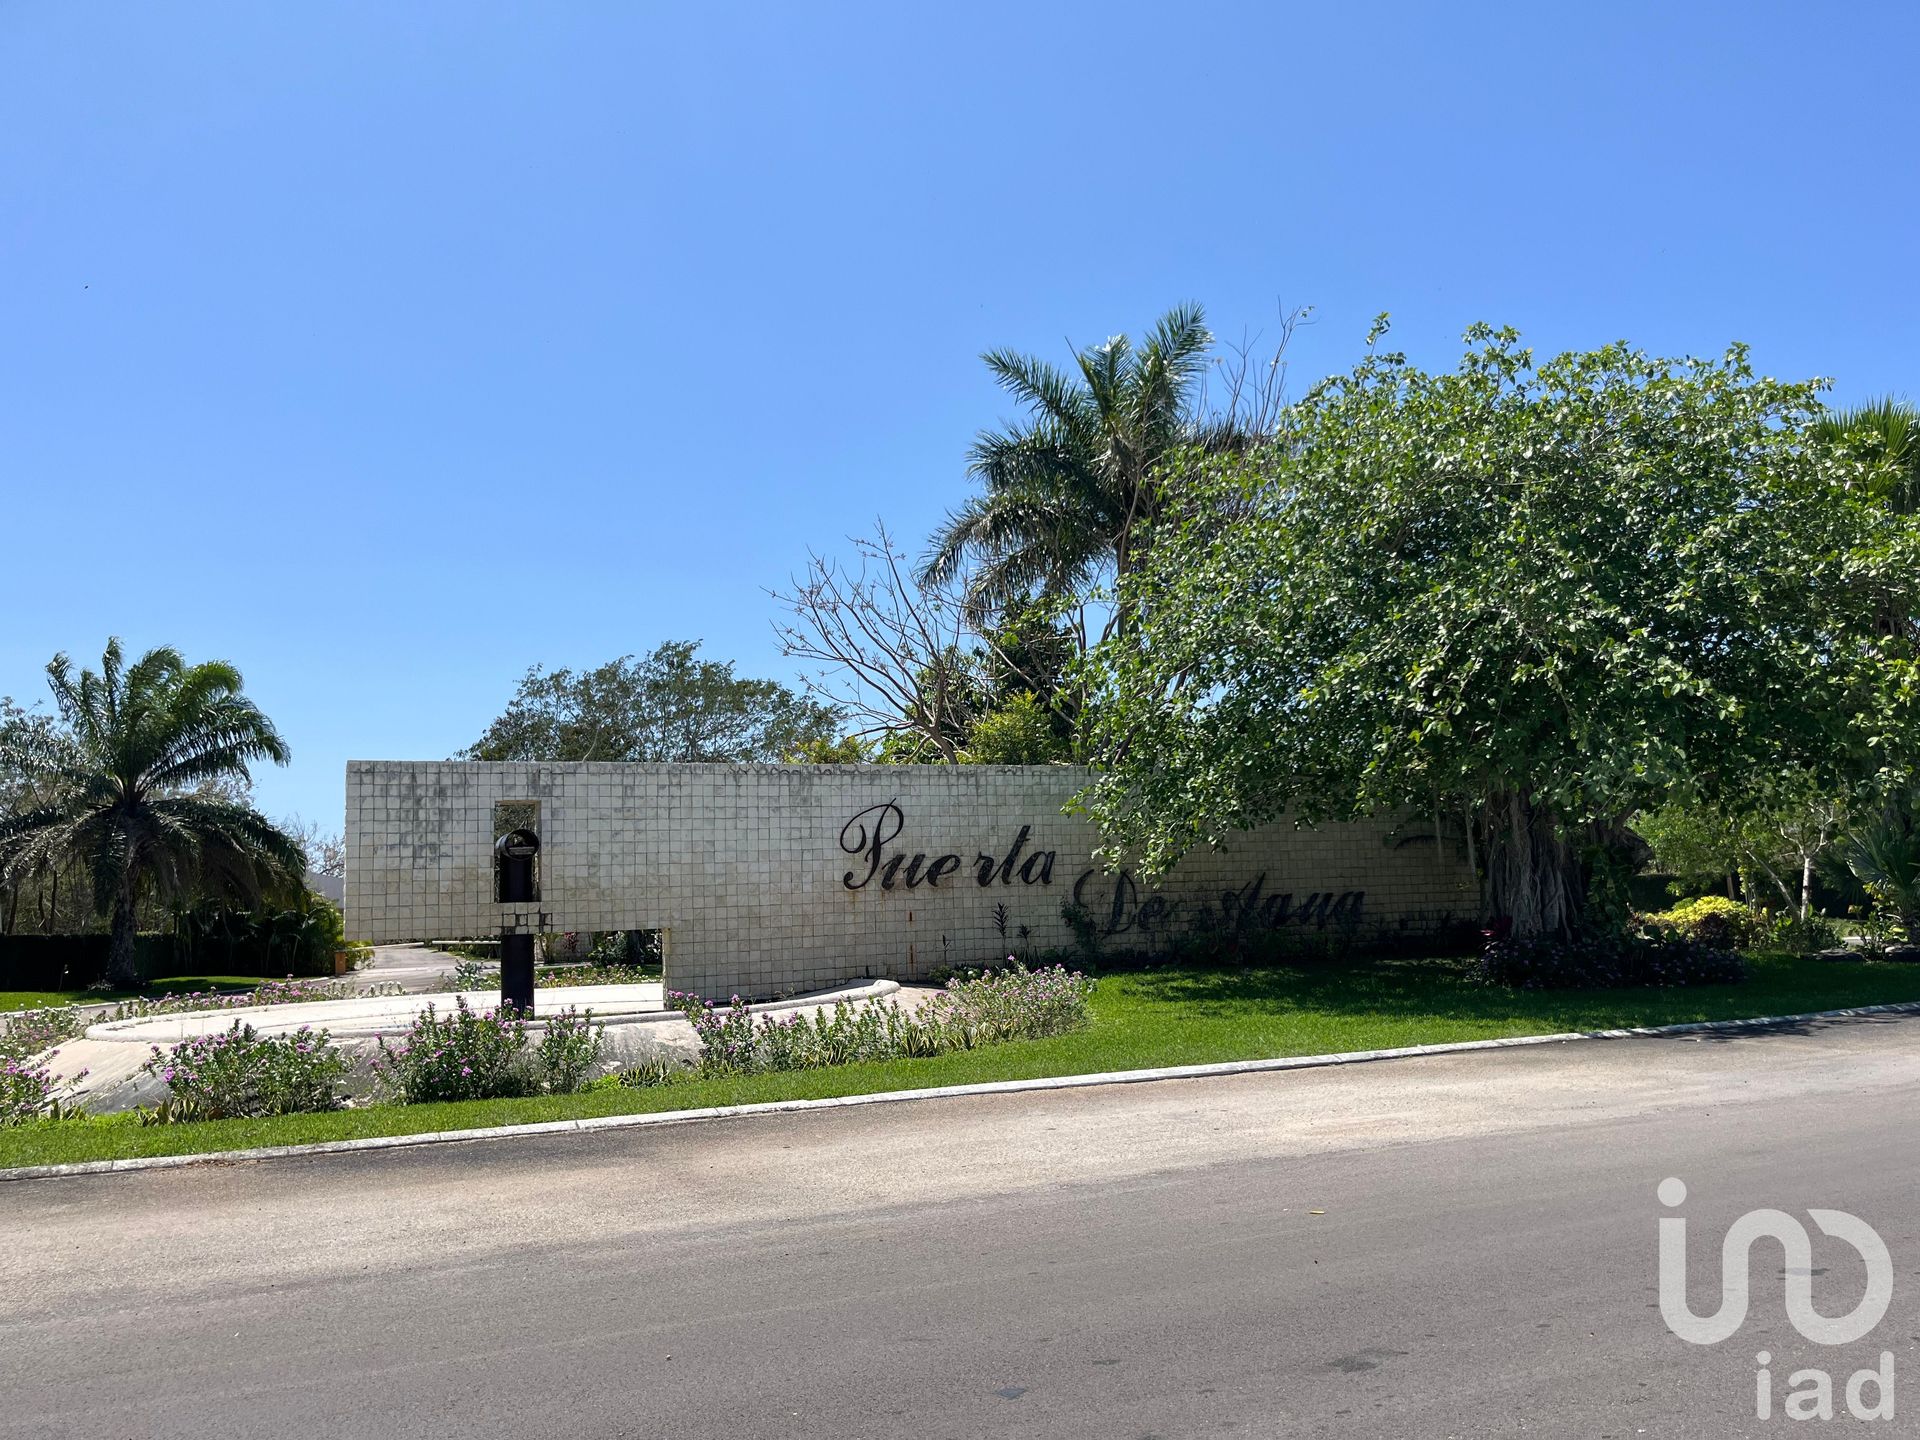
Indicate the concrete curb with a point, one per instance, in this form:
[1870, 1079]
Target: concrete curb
[125, 1032]
[939, 1092]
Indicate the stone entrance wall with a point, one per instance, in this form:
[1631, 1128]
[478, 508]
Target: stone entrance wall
[769, 879]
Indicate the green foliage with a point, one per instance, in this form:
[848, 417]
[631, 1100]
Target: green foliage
[471, 974]
[1020, 732]
[990, 1008]
[668, 706]
[140, 796]
[27, 1092]
[486, 1054]
[1882, 439]
[296, 939]
[820, 750]
[40, 1029]
[1774, 831]
[239, 1073]
[1157, 1018]
[570, 1046]
[1714, 920]
[467, 1055]
[1083, 925]
[1546, 597]
[1609, 961]
[1067, 496]
[1883, 852]
[1791, 934]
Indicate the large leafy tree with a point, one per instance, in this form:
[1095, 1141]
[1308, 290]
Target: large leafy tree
[1068, 494]
[668, 706]
[135, 800]
[1540, 598]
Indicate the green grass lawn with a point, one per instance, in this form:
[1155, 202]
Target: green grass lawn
[1152, 1018]
[172, 985]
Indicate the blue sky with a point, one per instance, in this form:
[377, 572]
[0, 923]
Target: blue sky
[324, 326]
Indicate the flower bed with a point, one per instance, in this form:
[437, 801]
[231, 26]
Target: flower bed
[480, 1055]
[239, 1073]
[1013, 1003]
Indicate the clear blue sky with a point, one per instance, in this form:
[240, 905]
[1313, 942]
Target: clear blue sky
[323, 325]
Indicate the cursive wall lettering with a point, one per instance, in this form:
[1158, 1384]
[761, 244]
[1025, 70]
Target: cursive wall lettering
[870, 836]
[872, 830]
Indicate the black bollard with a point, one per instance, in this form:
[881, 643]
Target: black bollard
[516, 973]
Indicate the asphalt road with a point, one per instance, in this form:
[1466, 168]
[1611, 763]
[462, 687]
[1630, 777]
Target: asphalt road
[1125, 1262]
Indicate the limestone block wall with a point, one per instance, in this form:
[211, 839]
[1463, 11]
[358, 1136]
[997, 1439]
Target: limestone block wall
[769, 879]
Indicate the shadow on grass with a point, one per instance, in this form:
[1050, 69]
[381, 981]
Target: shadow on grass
[1447, 989]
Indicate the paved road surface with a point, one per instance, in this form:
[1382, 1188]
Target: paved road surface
[1123, 1263]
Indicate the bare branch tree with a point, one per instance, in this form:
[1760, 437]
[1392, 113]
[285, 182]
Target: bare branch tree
[326, 850]
[898, 653]
[1244, 393]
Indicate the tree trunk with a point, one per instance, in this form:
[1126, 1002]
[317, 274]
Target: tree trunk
[1535, 880]
[121, 971]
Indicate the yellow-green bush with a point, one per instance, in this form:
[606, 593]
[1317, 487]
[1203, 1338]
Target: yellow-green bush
[1713, 920]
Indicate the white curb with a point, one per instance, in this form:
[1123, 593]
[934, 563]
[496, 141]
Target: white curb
[936, 1092]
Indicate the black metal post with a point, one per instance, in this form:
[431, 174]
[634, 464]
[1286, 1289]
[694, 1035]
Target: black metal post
[516, 973]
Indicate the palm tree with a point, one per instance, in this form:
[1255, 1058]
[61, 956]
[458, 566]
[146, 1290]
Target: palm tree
[1884, 856]
[138, 807]
[1066, 495]
[1885, 436]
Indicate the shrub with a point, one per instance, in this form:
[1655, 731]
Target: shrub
[726, 1036]
[1589, 962]
[31, 1031]
[471, 974]
[1715, 921]
[569, 1049]
[241, 1074]
[644, 1076]
[467, 1055]
[273, 992]
[1803, 937]
[591, 974]
[1010, 1003]
[1014, 1003]
[27, 1093]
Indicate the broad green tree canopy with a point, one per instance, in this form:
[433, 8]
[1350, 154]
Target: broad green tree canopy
[1541, 595]
[668, 706]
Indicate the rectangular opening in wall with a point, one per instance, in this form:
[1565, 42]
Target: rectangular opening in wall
[635, 951]
[516, 851]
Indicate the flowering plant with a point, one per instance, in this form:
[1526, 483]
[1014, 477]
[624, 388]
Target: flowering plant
[1013, 1003]
[27, 1092]
[31, 1031]
[270, 992]
[239, 1073]
[569, 1049]
[466, 1055]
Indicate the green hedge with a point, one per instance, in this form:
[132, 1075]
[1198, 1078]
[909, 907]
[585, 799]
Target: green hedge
[72, 962]
[205, 940]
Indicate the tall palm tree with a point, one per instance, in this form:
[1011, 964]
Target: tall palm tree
[1066, 495]
[137, 806]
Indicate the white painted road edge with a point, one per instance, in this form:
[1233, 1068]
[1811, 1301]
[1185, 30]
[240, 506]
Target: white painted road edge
[936, 1092]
